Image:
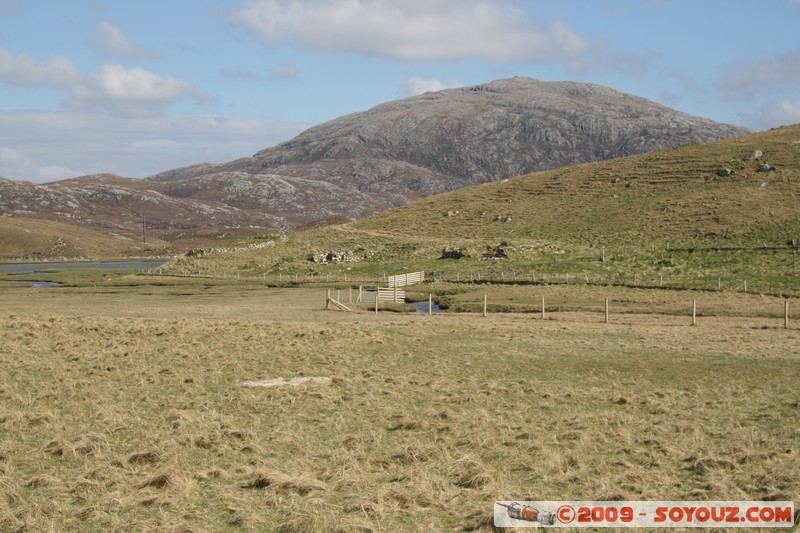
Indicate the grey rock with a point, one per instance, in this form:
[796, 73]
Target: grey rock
[397, 152]
[453, 253]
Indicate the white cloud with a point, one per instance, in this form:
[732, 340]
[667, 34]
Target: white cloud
[287, 71]
[412, 30]
[17, 163]
[112, 42]
[134, 91]
[744, 77]
[774, 114]
[43, 146]
[417, 85]
[242, 74]
[605, 60]
[26, 70]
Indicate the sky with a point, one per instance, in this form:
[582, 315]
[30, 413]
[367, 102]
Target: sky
[139, 87]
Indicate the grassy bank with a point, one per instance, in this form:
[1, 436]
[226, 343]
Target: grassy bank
[122, 407]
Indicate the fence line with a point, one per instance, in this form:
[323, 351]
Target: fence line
[692, 310]
[402, 280]
[634, 280]
[391, 294]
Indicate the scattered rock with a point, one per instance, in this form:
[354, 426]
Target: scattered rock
[724, 172]
[755, 155]
[342, 256]
[497, 251]
[200, 252]
[765, 168]
[454, 253]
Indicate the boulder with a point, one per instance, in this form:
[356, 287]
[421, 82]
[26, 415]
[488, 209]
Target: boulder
[454, 253]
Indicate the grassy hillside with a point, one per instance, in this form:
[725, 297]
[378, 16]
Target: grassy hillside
[31, 239]
[668, 213]
[134, 417]
[642, 200]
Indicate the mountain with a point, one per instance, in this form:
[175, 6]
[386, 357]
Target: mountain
[724, 209]
[440, 141]
[368, 162]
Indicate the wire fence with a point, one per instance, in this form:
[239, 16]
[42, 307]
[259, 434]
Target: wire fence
[783, 287]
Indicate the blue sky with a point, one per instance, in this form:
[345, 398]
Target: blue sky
[135, 88]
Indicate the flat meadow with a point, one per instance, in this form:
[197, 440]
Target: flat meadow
[124, 406]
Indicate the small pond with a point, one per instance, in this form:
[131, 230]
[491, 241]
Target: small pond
[422, 307]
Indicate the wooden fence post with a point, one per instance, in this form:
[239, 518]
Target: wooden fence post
[694, 312]
[606, 310]
[430, 304]
[786, 314]
[484, 304]
[377, 297]
[327, 298]
[542, 307]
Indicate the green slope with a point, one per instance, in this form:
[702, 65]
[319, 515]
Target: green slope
[660, 213]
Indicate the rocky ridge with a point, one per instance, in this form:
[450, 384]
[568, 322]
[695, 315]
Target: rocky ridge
[369, 162]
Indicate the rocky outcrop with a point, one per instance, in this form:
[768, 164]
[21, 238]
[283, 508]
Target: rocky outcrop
[368, 162]
[443, 140]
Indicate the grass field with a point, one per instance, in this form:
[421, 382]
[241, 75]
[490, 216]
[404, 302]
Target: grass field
[122, 408]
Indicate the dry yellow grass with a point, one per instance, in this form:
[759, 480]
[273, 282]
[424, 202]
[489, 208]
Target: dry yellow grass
[121, 409]
[33, 239]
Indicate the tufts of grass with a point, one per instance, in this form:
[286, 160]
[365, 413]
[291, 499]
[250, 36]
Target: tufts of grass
[133, 416]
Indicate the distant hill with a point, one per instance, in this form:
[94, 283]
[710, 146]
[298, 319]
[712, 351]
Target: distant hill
[734, 200]
[39, 240]
[440, 141]
[366, 163]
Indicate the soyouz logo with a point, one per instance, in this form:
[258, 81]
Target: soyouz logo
[643, 514]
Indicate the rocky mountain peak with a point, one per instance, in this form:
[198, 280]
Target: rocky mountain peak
[396, 152]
